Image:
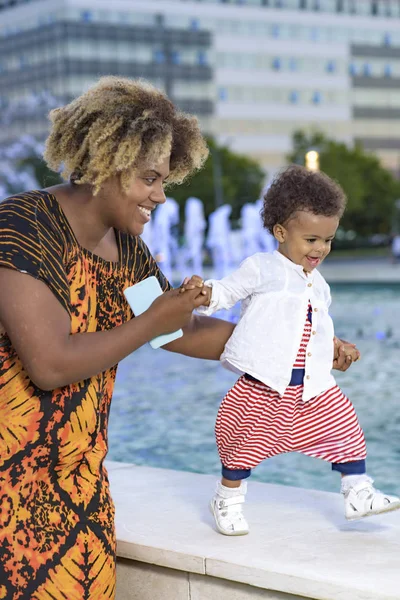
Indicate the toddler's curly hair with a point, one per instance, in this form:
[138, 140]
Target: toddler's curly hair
[117, 125]
[296, 188]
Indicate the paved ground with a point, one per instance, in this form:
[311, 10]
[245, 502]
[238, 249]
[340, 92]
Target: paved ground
[299, 544]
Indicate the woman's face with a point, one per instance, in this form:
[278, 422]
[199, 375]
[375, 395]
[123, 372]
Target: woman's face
[135, 206]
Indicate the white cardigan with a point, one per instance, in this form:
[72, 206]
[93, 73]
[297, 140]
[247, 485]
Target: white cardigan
[275, 294]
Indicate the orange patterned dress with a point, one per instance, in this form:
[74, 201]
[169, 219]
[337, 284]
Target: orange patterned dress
[57, 538]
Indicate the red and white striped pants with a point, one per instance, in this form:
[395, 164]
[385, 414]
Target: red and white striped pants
[254, 422]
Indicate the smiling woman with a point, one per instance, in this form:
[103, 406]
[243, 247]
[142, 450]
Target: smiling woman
[66, 255]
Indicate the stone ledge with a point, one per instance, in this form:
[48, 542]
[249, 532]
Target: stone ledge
[300, 544]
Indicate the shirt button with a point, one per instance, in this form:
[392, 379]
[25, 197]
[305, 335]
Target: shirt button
[309, 284]
[313, 332]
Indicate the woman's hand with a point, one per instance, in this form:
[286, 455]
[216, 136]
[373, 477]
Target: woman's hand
[173, 310]
[195, 281]
[344, 354]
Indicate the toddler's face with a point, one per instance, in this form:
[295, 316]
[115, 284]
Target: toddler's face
[306, 238]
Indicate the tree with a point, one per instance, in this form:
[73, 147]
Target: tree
[21, 164]
[371, 189]
[23, 168]
[240, 179]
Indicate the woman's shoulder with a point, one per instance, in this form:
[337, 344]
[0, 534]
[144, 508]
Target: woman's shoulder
[31, 200]
[34, 214]
[27, 207]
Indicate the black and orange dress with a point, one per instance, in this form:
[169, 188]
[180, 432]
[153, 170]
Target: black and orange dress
[57, 536]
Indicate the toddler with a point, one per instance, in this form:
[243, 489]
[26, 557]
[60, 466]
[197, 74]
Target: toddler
[286, 399]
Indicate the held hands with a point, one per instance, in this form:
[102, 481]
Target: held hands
[344, 354]
[173, 310]
[195, 282]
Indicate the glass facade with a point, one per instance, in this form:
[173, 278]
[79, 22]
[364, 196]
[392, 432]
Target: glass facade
[219, 63]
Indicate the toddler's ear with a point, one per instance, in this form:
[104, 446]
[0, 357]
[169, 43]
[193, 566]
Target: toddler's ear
[279, 233]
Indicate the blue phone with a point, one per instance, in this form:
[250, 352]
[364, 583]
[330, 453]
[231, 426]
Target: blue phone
[140, 297]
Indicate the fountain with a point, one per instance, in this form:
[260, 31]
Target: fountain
[195, 224]
[218, 240]
[164, 240]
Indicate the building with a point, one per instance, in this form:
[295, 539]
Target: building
[253, 70]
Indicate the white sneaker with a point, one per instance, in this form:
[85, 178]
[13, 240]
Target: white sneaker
[363, 500]
[226, 506]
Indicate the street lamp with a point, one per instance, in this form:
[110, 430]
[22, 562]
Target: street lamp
[312, 160]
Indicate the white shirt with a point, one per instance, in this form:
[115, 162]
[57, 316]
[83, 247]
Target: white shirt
[275, 293]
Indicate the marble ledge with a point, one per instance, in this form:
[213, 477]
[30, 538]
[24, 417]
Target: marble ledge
[299, 544]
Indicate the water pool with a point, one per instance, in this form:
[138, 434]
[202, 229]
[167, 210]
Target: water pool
[164, 405]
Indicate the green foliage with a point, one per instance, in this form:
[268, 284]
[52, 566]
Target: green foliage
[240, 180]
[371, 189]
[44, 176]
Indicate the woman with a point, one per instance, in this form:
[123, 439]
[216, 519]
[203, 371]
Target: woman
[64, 328]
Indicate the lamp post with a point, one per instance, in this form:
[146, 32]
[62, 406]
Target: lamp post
[217, 177]
[312, 160]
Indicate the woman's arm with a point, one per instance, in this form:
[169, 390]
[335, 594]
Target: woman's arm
[204, 337]
[39, 329]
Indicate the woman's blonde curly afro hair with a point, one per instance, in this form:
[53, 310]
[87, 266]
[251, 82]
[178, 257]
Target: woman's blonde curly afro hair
[117, 125]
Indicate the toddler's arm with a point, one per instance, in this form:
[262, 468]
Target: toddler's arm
[226, 292]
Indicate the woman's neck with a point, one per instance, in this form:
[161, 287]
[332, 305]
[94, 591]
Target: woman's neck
[86, 216]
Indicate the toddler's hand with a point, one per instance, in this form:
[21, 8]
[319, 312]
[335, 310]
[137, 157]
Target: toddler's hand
[345, 353]
[195, 281]
[351, 351]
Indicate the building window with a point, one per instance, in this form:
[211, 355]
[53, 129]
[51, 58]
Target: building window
[276, 64]
[223, 94]
[294, 97]
[367, 70]
[275, 31]
[374, 7]
[175, 58]
[317, 98]
[202, 58]
[194, 25]
[86, 16]
[388, 70]
[314, 34]
[339, 6]
[387, 40]
[293, 64]
[317, 5]
[331, 66]
[303, 4]
[352, 69]
[159, 57]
